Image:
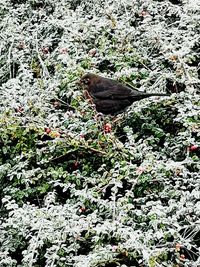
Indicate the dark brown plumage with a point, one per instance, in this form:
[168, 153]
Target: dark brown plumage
[110, 96]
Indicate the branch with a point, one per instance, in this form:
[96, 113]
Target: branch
[9, 59]
[45, 71]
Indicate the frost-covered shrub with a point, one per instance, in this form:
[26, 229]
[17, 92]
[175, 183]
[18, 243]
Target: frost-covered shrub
[72, 192]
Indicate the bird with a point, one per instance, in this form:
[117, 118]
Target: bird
[109, 96]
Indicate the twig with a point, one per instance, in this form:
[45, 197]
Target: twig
[187, 75]
[45, 71]
[9, 59]
[94, 150]
[81, 146]
[64, 103]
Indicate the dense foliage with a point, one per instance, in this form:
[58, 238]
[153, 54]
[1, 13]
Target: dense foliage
[81, 189]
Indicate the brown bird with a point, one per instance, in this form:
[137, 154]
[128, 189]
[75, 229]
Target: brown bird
[110, 96]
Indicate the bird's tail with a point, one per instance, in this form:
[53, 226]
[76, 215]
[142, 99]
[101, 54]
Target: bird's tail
[146, 95]
[155, 94]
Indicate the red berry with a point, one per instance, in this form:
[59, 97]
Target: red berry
[92, 52]
[63, 50]
[19, 109]
[107, 128]
[82, 209]
[47, 130]
[182, 257]
[114, 248]
[194, 148]
[56, 104]
[75, 165]
[21, 45]
[144, 13]
[45, 50]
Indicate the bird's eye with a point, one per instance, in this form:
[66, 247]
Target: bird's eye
[86, 81]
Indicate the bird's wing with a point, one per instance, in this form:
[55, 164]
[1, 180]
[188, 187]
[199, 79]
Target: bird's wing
[110, 89]
[111, 106]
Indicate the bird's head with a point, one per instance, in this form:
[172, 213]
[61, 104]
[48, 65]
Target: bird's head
[88, 80]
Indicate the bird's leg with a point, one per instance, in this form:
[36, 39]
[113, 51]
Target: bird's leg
[88, 96]
[90, 100]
